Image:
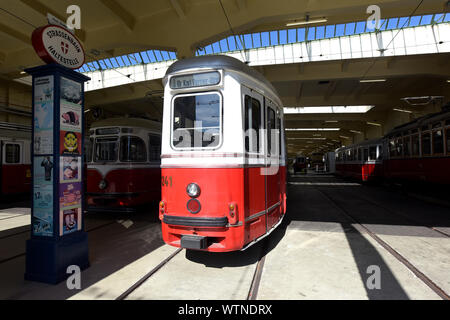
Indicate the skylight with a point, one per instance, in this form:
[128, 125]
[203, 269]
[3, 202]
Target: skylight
[285, 36]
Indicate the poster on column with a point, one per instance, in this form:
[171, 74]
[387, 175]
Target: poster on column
[70, 143]
[43, 196]
[69, 221]
[70, 92]
[70, 169]
[70, 195]
[43, 115]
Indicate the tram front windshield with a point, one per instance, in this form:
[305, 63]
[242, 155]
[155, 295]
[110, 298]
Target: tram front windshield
[196, 121]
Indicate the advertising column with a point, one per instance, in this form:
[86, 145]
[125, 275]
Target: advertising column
[58, 239]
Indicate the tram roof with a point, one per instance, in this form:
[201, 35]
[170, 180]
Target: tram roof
[361, 144]
[218, 62]
[127, 122]
[420, 122]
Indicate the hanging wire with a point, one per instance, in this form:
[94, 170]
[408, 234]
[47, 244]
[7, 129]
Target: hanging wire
[232, 31]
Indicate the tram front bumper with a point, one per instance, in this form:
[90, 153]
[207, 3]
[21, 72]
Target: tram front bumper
[196, 221]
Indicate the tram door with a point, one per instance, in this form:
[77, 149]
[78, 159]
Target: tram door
[254, 178]
[272, 176]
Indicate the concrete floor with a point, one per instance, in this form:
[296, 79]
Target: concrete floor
[317, 253]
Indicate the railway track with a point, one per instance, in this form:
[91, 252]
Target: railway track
[426, 280]
[415, 221]
[252, 293]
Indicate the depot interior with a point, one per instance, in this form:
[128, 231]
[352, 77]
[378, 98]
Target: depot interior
[339, 81]
[325, 63]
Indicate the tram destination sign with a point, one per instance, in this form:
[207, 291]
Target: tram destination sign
[55, 44]
[195, 80]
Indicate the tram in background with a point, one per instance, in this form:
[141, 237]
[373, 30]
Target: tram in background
[223, 165]
[362, 161]
[15, 173]
[123, 164]
[300, 163]
[418, 151]
[317, 162]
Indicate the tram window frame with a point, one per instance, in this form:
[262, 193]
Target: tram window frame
[279, 136]
[89, 150]
[16, 153]
[447, 134]
[366, 154]
[407, 146]
[415, 145]
[372, 153]
[399, 146]
[379, 152]
[251, 103]
[129, 138]
[392, 147]
[433, 143]
[117, 146]
[360, 154]
[152, 150]
[220, 123]
[271, 126]
[423, 133]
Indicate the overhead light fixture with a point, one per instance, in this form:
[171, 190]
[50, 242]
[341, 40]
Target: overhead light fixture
[372, 80]
[344, 137]
[355, 131]
[373, 124]
[402, 110]
[329, 109]
[313, 129]
[22, 72]
[306, 138]
[300, 23]
[331, 121]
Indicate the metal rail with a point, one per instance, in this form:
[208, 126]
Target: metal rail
[148, 275]
[441, 293]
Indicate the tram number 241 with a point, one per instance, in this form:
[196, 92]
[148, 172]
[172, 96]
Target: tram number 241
[166, 181]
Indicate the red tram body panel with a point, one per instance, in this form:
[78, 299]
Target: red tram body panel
[15, 166]
[226, 190]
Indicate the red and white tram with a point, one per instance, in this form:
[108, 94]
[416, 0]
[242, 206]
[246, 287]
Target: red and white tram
[363, 161]
[15, 164]
[123, 164]
[420, 150]
[223, 163]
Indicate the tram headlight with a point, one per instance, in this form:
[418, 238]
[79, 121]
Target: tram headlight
[193, 190]
[102, 185]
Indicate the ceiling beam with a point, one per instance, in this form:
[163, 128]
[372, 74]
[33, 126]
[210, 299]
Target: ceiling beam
[43, 10]
[127, 18]
[15, 34]
[178, 9]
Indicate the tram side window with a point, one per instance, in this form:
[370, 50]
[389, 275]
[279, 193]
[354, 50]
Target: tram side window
[448, 141]
[438, 142]
[196, 121]
[271, 126]
[88, 147]
[12, 153]
[426, 143]
[415, 145]
[379, 152]
[253, 122]
[392, 149]
[360, 154]
[399, 146]
[407, 146]
[154, 147]
[132, 149]
[106, 149]
[366, 154]
[373, 153]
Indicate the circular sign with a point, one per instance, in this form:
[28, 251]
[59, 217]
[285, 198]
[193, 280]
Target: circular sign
[55, 44]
